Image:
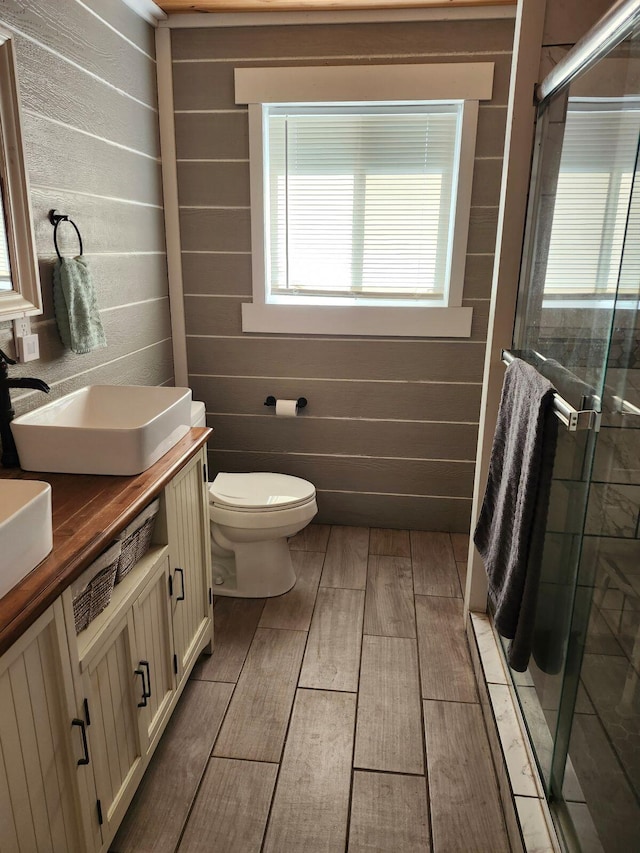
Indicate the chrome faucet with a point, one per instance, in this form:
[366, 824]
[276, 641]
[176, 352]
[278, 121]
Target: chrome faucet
[9, 457]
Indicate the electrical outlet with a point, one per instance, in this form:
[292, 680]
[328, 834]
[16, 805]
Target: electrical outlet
[21, 327]
[28, 348]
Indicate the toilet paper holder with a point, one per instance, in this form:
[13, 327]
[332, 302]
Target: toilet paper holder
[271, 401]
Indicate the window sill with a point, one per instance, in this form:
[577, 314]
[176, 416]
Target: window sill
[375, 321]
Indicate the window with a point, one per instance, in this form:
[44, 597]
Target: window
[594, 205]
[359, 200]
[5, 267]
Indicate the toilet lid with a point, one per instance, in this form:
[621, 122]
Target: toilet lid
[260, 491]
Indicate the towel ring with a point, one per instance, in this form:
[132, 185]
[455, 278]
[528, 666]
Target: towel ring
[55, 219]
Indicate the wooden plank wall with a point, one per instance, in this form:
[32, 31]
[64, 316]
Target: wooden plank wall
[389, 434]
[87, 77]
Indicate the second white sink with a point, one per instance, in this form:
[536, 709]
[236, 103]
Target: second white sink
[25, 529]
[103, 429]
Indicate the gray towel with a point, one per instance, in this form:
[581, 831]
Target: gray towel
[510, 530]
[76, 306]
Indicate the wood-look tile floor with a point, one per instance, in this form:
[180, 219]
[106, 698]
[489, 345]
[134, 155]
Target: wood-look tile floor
[340, 716]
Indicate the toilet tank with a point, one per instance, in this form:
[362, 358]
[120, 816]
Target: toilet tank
[198, 417]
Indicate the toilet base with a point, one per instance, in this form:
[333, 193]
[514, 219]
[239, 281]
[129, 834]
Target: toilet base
[255, 570]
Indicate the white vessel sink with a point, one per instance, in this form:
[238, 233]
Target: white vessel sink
[26, 535]
[103, 429]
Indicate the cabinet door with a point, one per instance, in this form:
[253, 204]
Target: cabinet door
[190, 555]
[152, 620]
[40, 805]
[114, 690]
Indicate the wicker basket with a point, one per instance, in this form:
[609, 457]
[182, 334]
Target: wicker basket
[91, 592]
[135, 539]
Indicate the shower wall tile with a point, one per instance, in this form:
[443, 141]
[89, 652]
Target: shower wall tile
[613, 510]
[599, 554]
[540, 724]
[584, 705]
[625, 625]
[617, 457]
[600, 639]
[613, 805]
[585, 828]
[613, 685]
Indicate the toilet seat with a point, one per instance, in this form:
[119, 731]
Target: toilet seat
[260, 492]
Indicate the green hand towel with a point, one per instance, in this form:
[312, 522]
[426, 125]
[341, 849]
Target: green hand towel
[76, 306]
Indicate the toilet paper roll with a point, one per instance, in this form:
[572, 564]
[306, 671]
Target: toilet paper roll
[286, 408]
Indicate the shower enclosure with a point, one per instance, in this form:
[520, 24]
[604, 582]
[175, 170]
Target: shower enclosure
[578, 322]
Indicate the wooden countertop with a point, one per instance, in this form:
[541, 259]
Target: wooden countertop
[88, 511]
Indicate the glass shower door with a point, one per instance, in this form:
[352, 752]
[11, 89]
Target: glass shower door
[596, 765]
[578, 324]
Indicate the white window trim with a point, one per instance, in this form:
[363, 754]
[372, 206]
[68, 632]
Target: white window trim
[469, 82]
[25, 299]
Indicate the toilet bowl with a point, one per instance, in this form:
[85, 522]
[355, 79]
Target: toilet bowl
[251, 516]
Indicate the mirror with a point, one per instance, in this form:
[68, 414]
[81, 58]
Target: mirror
[19, 280]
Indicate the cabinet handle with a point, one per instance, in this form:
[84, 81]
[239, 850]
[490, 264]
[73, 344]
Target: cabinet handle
[181, 596]
[142, 704]
[85, 746]
[145, 664]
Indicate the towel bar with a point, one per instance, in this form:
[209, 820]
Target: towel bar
[55, 219]
[573, 419]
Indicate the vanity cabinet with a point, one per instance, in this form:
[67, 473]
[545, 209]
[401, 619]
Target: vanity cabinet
[80, 715]
[187, 518]
[110, 690]
[154, 651]
[41, 742]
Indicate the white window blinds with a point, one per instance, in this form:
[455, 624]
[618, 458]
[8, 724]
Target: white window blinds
[360, 200]
[594, 205]
[5, 268]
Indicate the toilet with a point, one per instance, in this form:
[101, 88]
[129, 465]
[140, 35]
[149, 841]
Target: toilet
[250, 518]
